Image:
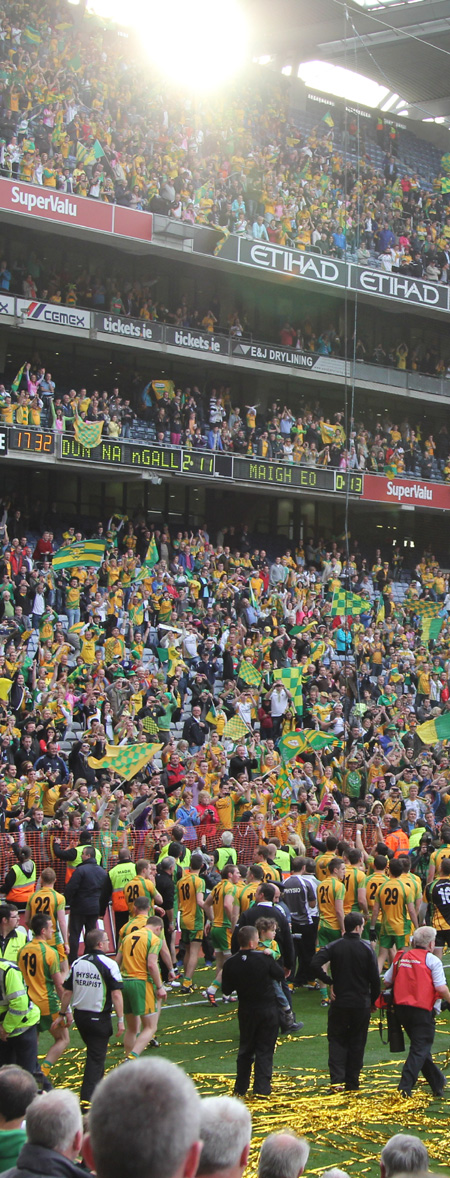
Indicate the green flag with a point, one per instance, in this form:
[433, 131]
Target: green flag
[282, 794]
[87, 433]
[235, 729]
[249, 674]
[300, 742]
[431, 628]
[434, 730]
[125, 760]
[427, 609]
[15, 384]
[292, 680]
[152, 556]
[89, 553]
[346, 604]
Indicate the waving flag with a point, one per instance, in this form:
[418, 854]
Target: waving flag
[249, 674]
[282, 794]
[89, 553]
[87, 433]
[152, 556]
[434, 730]
[292, 680]
[125, 760]
[235, 729]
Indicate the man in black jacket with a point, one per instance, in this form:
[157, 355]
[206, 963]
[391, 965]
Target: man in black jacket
[195, 730]
[264, 906]
[355, 985]
[252, 974]
[83, 896]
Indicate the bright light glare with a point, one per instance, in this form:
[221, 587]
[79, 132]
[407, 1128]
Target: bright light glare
[198, 50]
[334, 79]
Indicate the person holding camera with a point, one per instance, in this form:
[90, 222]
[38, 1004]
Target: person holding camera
[419, 984]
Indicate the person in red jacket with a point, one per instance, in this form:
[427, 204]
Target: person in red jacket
[418, 985]
[44, 547]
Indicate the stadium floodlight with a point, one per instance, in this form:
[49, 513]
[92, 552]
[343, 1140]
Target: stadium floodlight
[196, 49]
[199, 51]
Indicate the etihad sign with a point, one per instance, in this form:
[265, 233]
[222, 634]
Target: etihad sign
[397, 286]
[335, 272]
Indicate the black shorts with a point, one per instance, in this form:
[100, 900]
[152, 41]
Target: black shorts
[443, 938]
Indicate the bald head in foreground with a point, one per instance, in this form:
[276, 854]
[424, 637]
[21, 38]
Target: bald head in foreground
[145, 1120]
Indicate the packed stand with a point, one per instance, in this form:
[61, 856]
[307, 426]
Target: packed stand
[176, 712]
[186, 416]
[68, 85]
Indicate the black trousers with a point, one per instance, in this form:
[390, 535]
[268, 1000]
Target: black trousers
[347, 1037]
[22, 1050]
[95, 1031]
[120, 918]
[420, 1027]
[258, 1035]
[305, 948]
[78, 921]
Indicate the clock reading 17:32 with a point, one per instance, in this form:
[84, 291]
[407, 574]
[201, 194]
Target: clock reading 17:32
[32, 440]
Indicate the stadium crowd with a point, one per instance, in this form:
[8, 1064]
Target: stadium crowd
[35, 276]
[187, 729]
[68, 86]
[187, 416]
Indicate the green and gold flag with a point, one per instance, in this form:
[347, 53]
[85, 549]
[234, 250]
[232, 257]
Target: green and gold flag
[125, 760]
[152, 556]
[282, 794]
[427, 609]
[87, 433]
[317, 651]
[332, 433]
[292, 680]
[89, 154]
[431, 628]
[89, 553]
[15, 384]
[301, 742]
[249, 674]
[235, 729]
[445, 185]
[163, 386]
[328, 119]
[381, 612]
[434, 730]
[346, 604]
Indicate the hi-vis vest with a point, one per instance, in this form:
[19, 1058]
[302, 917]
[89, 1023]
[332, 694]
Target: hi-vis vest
[24, 885]
[282, 859]
[413, 982]
[119, 876]
[79, 859]
[225, 855]
[183, 862]
[398, 842]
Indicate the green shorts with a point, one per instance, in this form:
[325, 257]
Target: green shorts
[221, 939]
[394, 940]
[190, 935]
[46, 1021]
[325, 934]
[139, 997]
